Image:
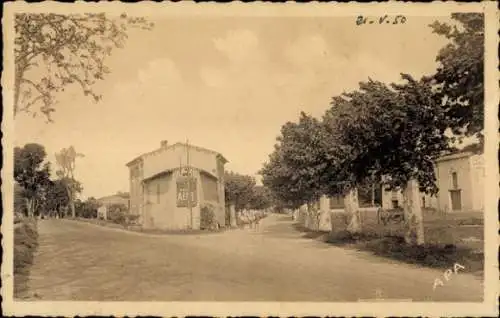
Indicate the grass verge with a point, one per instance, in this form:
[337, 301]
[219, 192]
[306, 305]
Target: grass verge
[25, 244]
[433, 254]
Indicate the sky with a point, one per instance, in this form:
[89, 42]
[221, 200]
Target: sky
[226, 84]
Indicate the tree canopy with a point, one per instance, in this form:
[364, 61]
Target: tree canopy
[53, 51]
[261, 198]
[57, 196]
[32, 173]
[460, 75]
[66, 159]
[242, 192]
[386, 132]
[394, 131]
[238, 189]
[295, 169]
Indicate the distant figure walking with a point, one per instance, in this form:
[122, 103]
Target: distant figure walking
[257, 222]
[251, 219]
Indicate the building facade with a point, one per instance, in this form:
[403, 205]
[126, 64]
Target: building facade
[460, 179]
[461, 182]
[394, 200]
[170, 186]
[119, 198]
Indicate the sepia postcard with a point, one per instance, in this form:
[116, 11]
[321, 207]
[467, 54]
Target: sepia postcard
[250, 159]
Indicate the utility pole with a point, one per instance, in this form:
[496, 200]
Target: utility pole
[189, 185]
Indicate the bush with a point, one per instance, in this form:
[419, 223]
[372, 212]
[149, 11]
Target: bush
[432, 255]
[117, 213]
[132, 218]
[340, 238]
[25, 244]
[18, 217]
[207, 217]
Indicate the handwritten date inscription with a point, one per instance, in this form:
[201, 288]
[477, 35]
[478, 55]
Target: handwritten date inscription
[399, 19]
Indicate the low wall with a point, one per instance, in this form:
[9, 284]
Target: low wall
[439, 227]
[331, 220]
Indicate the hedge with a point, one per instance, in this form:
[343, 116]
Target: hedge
[25, 244]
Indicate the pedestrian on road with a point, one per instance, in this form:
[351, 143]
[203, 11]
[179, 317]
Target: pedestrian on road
[257, 222]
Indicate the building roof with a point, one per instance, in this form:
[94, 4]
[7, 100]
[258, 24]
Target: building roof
[177, 144]
[458, 155]
[124, 196]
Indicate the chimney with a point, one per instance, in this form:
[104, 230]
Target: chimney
[164, 143]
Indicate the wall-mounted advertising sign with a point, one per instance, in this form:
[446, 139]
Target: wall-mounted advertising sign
[186, 192]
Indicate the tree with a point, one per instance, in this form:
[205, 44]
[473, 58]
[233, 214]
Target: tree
[261, 198]
[88, 208]
[57, 196]
[393, 133]
[31, 173]
[118, 213]
[238, 189]
[294, 172]
[66, 161]
[460, 76]
[19, 199]
[63, 49]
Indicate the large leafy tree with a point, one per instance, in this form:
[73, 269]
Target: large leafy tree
[19, 199]
[66, 160]
[261, 198]
[57, 196]
[460, 75]
[238, 189]
[32, 174]
[295, 170]
[393, 133]
[53, 51]
[87, 208]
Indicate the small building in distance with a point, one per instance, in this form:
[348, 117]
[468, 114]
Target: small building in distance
[459, 177]
[170, 185]
[122, 198]
[461, 182]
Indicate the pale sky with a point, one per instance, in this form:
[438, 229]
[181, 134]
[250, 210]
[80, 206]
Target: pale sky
[226, 84]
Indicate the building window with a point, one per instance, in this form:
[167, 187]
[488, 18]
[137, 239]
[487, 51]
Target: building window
[454, 180]
[395, 204]
[209, 187]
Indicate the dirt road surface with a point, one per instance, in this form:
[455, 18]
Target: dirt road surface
[80, 261]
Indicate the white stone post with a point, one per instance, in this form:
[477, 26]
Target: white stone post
[352, 208]
[232, 215]
[414, 231]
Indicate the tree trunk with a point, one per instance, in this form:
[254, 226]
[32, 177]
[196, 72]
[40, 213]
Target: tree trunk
[29, 207]
[303, 215]
[373, 194]
[232, 215]
[72, 207]
[414, 227]
[35, 208]
[310, 213]
[71, 202]
[352, 208]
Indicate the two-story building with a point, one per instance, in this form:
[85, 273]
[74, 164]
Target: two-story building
[170, 185]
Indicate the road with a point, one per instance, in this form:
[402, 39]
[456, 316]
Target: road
[80, 261]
